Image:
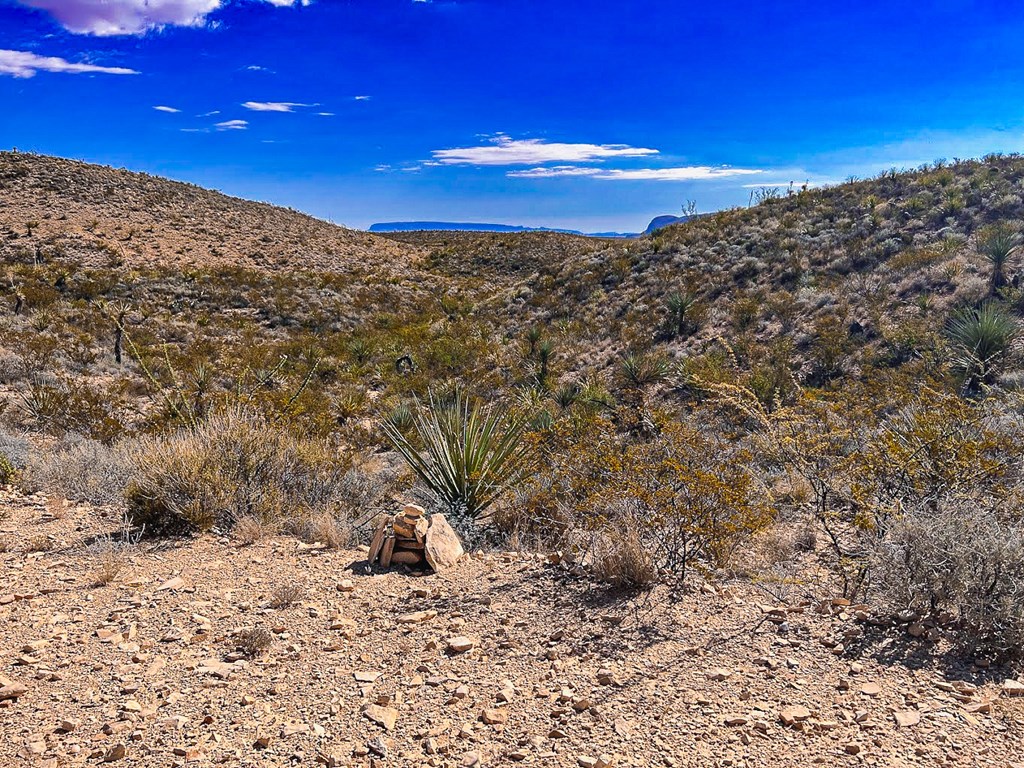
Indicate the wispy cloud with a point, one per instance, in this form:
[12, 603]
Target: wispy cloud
[25, 64]
[133, 17]
[360, 98]
[504, 150]
[682, 173]
[169, 110]
[232, 125]
[274, 106]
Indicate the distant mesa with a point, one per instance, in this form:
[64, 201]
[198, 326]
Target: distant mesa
[658, 222]
[450, 226]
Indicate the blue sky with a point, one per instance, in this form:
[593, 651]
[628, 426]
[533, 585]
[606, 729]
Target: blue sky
[589, 115]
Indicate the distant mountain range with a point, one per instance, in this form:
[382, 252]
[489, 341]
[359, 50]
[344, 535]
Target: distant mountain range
[450, 226]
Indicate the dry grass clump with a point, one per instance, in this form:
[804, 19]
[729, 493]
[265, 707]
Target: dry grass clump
[620, 557]
[234, 465]
[56, 508]
[39, 543]
[249, 529]
[286, 595]
[254, 641]
[322, 528]
[109, 565]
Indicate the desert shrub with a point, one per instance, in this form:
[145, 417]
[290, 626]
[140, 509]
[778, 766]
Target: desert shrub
[322, 528]
[254, 641]
[249, 530]
[686, 498]
[7, 471]
[465, 454]
[234, 465]
[81, 470]
[15, 449]
[962, 566]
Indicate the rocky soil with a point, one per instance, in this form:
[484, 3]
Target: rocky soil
[506, 659]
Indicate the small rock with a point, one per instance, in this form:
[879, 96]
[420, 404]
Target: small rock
[1011, 687]
[494, 716]
[907, 717]
[116, 752]
[460, 644]
[172, 584]
[794, 714]
[443, 548]
[12, 691]
[383, 716]
[417, 617]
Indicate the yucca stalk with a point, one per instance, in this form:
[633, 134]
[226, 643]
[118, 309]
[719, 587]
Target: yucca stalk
[981, 337]
[465, 455]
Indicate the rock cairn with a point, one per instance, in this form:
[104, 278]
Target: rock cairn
[415, 538]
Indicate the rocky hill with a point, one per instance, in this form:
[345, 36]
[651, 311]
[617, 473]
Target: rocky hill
[69, 211]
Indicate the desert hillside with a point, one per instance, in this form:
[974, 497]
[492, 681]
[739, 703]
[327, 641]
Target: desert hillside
[52, 209]
[744, 492]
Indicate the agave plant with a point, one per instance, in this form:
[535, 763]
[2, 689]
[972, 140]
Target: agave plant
[981, 337]
[465, 454]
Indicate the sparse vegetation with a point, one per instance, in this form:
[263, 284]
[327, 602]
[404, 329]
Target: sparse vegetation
[842, 359]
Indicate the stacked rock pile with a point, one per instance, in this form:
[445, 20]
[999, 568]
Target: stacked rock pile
[415, 538]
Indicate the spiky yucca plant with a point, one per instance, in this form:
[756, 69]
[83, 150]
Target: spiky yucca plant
[465, 454]
[981, 337]
[998, 245]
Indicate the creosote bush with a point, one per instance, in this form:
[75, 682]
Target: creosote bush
[232, 466]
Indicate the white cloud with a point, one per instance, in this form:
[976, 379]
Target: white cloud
[274, 106]
[232, 125]
[684, 173]
[25, 64]
[169, 110]
[504, 150]
[361, 98]
[133, 17]
[325, 114]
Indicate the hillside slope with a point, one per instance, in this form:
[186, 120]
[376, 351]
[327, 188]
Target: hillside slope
[65, 210]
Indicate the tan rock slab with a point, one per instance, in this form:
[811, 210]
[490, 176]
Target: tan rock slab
[442, 547]
[383, 716]
[905, 718]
